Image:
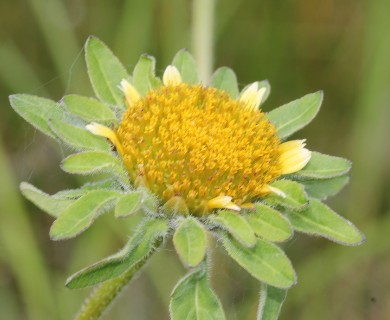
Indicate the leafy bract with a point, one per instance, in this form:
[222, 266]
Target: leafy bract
[139, 248]
[322, 166]
[128, 204]
[37, 111]
[91, 162]
[324, 188]
[236, 225]
[192, 298]
[88, 109]
[293, 116]
[265, 261]
[108, 184]
[44, 201]
[319, 219]
[105, 72]
[271, 301]
[149, 203]
[80, 215]
[77, 137]
[225, 79]
[294, 195]
[190, 241]
[269, 224]
[185, 63]
[144, 78]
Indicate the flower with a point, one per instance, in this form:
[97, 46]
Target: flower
[198, 149]
[186, 148]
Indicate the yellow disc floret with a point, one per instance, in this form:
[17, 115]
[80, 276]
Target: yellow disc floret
[196, 143]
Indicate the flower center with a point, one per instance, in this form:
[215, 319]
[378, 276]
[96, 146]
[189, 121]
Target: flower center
[197, 143]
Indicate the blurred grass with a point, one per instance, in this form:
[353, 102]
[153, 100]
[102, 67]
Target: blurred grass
[301, 46]
[21, 252]
[372, 113]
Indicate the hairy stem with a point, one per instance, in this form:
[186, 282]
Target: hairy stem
[102, 297]
[203, 36]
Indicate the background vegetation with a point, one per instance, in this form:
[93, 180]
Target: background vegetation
[300, 46]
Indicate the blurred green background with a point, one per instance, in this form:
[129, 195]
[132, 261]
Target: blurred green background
[342, 47]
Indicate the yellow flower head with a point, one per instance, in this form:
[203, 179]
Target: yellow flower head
[197, 149]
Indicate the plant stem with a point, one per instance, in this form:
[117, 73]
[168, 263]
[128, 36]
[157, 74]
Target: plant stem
[203, 36]
[101, 298]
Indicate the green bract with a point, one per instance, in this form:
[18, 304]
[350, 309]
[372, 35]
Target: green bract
[249, 236]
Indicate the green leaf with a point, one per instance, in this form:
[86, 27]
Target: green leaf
[225, 79]
[269, 224]
[293, 116]
[271, 301]
[108, 184]
[88, 109]
[78, 138]
[319, 219]
[105, 72]
[128, 204]
[192, 298]
[322, 189]
[190, 241]
[36, 111]
[185, 63]
[94, 162]
[265, 261]
[144, 78]
[80, 215]
[44, 201]
[89, 162]
[295, 197]
[149, 203]
[139, 248]
[236, 225]
[322, 166]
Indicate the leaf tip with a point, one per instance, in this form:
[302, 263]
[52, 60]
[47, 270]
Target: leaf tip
[13, 100]
[362, 239]
[24, 185]
[90, 38]
[320, 93]
[148, 56]
[55, 234]
[12, 97]
[54, 237]
[70, 284]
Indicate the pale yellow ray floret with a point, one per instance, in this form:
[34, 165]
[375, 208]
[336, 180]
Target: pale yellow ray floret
[171, 76]
[252, 96]
[131, 93]
[293, 156]
[269, 189]
[103, 131]
[222, 202]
